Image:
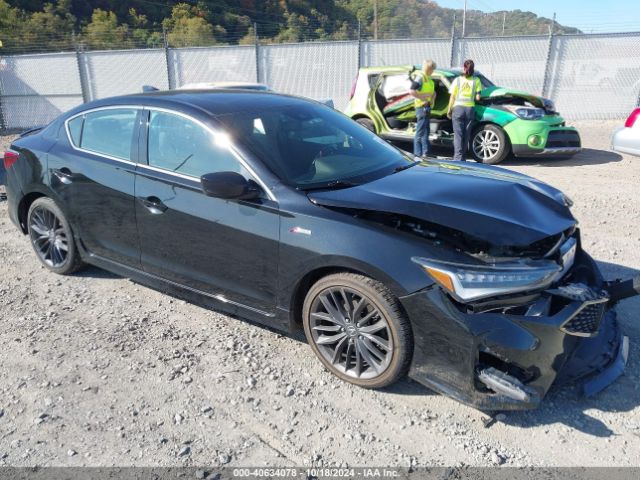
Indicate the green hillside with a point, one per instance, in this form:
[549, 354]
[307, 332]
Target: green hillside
[29, 25]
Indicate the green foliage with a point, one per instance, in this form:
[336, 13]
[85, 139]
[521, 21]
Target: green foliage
[100, 24]
[104, 32]
[188, 26]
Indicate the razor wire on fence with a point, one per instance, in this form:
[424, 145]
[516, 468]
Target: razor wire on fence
[589, 76]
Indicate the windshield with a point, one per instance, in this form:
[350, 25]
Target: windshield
[312, 146]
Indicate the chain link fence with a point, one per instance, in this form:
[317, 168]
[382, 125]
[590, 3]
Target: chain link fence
[34, 89]
[588, 76]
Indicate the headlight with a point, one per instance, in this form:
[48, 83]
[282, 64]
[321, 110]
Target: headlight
[527, 113]
[474, 282]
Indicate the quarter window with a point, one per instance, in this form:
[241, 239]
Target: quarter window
[109, 131]
[181, 145]
[75, 130]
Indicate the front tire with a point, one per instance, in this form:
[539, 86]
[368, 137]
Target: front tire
[358, 330]
[489, 144]
[52, 238]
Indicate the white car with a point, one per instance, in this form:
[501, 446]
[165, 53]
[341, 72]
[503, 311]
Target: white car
[627, 139]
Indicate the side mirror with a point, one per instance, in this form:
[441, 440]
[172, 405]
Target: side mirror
[229, 185]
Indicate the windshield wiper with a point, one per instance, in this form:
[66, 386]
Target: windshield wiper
[404, 167]
[329, 185]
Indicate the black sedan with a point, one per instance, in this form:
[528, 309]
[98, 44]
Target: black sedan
[471, 279]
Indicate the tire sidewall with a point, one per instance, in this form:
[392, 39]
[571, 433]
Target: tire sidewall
[72, 262]
[504, 149]
[394, 370]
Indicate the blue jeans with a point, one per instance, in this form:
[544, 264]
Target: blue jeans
[462, 119]
[421, 140]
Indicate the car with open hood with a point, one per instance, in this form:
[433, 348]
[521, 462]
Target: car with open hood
[507, 121]
[470, 279]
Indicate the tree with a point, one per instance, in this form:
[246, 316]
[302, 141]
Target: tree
[187, 27]
[10, 17]
[141, 31]
[104, 32]
[50, 29]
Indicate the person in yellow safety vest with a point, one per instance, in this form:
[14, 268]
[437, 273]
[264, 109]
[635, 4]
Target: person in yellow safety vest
[423, 90]
[464, 92]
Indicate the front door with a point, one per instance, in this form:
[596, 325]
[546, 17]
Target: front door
[92, 174]
[225, 248]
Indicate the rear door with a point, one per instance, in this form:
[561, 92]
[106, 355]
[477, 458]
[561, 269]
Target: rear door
[225, 248]
[92, 172]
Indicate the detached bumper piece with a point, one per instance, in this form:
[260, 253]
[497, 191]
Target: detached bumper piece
[509, 386]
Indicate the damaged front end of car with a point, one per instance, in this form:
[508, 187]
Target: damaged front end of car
[505, 330]
[512, 303]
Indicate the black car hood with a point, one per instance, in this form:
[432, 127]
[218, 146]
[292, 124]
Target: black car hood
[492, 204]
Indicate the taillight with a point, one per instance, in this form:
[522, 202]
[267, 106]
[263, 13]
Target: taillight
[10, 158]
[632, 118]
[353, 87]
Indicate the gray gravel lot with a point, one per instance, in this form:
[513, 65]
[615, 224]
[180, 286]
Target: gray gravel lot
[96, 370]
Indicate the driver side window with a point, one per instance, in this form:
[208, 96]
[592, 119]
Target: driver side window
[178, 144]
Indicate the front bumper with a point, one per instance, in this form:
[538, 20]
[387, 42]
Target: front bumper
[507, 358]
[543, 138]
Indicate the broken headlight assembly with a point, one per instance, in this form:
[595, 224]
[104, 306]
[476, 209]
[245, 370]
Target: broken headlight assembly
[467, 283]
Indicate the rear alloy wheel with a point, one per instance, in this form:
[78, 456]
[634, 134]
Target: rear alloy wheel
[51, 237]
[367, 123]
[489, 144]
[358, 330]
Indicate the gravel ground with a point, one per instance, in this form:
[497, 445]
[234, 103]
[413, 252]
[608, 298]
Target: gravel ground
[96, 370]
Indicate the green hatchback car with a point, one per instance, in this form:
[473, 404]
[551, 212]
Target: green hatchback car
[507, 121]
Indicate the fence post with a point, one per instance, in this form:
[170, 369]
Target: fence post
[171, 81]
[257, 49]
[547, 65]
[82, 72]
[359, 46]
[453, 41]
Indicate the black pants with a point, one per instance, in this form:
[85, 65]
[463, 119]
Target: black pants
[462, 119]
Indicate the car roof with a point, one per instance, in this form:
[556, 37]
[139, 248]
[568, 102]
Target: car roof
[227, 85]
[212, 102]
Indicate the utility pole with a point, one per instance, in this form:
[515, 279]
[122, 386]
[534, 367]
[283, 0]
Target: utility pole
[504, 20]
[553, 24]
[375, 19]
[464, 19]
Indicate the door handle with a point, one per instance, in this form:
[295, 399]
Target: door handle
[153, 204]
[64, 175]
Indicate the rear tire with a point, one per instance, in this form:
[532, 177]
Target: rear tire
[52, 238]
[367, 123]
[489, 144]
[358, 330]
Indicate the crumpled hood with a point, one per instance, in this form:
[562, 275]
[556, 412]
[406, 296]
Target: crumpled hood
[496, 92]
[496, 205]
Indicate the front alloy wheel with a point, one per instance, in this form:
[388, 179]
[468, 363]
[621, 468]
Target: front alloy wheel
[357, 329]
[489, 144]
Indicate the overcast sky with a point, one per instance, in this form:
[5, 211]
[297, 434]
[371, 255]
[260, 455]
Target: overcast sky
[587, 15]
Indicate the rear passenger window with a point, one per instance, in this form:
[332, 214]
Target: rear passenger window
[109, 132]
[180, 145]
